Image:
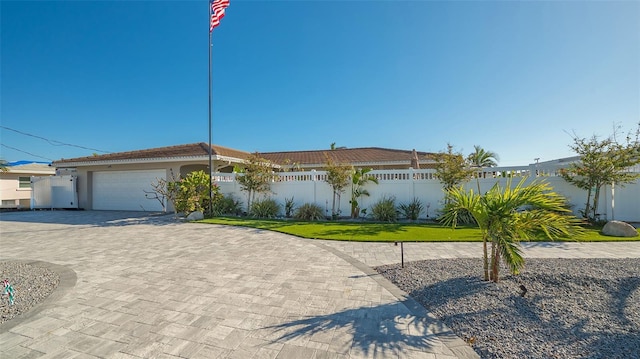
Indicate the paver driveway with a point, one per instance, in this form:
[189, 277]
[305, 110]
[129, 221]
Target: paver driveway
[151, 287]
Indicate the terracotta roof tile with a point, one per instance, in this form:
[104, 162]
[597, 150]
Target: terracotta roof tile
[188, 150]
[355, 156]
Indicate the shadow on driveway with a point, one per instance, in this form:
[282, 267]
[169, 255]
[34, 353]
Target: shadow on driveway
[89, 218]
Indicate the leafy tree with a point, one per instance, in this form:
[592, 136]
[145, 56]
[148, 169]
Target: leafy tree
[193, 192]
[255, 177]
[359, 178]
[506, 216]
[451, 168]
[602, 162]
[338, 179]
[187, 194]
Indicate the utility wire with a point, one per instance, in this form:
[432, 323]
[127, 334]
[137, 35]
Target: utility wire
[53, 142]
[30, 154]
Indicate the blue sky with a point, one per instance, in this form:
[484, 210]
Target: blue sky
[517, 78]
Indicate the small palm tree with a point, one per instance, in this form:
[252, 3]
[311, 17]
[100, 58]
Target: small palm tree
[506, 216]
[480, 158]
[359, 179]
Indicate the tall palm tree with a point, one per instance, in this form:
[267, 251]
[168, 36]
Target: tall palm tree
[480, 158]
[506, 216]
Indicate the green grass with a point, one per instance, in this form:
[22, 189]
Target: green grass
[382, 232]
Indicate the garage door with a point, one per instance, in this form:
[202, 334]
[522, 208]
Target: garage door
[124, 190]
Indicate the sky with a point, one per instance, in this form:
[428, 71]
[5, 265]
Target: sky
[519, 78]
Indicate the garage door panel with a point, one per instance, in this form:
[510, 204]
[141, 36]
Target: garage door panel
[125, 190]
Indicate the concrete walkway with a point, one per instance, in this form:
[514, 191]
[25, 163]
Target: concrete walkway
[145, 286]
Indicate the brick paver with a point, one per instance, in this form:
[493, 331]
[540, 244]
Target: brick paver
[138, 286]
[149, 287]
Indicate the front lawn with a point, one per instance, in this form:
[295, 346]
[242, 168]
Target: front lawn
[382, 232]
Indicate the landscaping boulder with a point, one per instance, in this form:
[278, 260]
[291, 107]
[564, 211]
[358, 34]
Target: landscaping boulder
[619, 229]
[195, 216]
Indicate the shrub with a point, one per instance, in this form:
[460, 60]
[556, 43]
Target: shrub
[412, 209]
[309, 212]
[228, 205]
[192, 192]
[265, 208]
[385, 210]
[288, 207]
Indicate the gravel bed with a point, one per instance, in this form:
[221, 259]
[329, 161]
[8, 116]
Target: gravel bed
[573, 308]
[31, 285]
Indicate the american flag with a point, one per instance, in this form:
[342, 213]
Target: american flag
[217, 12]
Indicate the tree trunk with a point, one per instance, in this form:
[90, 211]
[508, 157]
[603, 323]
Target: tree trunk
[333, 206]
[486, 258]
[496, 265]
[596, 196]
[493, 260]
[587, 210]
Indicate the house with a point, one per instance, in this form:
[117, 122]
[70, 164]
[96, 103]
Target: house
[123, 181]
[15, 182]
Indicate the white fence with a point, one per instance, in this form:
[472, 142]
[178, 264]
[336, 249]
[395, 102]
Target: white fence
[623, 203]
[54, 192]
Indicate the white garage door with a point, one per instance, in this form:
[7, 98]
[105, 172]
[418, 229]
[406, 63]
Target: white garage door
[124, 190]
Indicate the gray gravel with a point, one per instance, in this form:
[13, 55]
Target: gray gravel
[574, 308]
[31, 284]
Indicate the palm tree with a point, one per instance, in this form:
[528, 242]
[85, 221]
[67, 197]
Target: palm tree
[359, 179]
[506, 216]
[480, 159]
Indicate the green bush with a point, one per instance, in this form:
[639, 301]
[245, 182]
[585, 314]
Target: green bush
[228, 205]
[385, 210]
[192, 192]
[309, 212]
[412, 209]
[265, 208]
[289, 206]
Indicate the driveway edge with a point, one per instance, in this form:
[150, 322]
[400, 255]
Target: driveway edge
[68, 279]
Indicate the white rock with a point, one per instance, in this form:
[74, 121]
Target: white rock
[619, 229]
[195, 216]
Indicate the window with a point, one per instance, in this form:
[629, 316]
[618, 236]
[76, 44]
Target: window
[25, 182]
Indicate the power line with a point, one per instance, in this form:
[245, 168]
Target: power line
[53, 142]
[29, 153]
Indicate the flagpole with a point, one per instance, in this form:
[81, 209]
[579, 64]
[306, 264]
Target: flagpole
[216, 12]
[210, 46]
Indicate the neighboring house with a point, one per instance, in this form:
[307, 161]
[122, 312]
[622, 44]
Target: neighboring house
[15, 182]
[122, 181]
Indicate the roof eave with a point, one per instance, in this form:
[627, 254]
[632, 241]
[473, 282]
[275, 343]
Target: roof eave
[143, 160]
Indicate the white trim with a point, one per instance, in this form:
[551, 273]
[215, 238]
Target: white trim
[143, 160]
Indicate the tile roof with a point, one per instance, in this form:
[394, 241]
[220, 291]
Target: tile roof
[40, 168]
[179, 151]
[355, 156]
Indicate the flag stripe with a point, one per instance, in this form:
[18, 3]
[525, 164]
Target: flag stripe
[217, 12]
